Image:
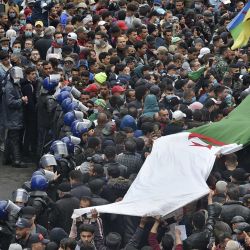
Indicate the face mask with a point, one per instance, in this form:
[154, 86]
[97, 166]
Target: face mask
[5, 48]
[236, 76]
[170, 97]
[243, 72]
[92, 7]
[28, 50]
[81, 11]
[16, 50]
[59, 41]
[22, 22]
[98, 43]
[193, 99]
[157, 21]
[16, 28]
[95, 111]
[16, 80]
[12, 15]
[28, 33]
[215, 82]
[197, 6]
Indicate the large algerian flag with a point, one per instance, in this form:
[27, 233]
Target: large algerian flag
[175, 172]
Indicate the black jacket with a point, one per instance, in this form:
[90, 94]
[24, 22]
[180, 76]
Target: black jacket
[45, 107]
[61, 213]
[42, 45]
[200, 239]
[233, 208]
[80, 190]
[12, 105]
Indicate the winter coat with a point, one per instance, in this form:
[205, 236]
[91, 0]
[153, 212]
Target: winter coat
[150, 106]
[233, 208]
[12, 105]
[80, 190]
[200, 239]
[62, 211]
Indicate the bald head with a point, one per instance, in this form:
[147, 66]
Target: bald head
[102, 118]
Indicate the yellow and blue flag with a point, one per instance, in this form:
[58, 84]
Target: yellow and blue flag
[239, 27]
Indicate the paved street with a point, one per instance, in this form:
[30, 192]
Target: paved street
[11, 179]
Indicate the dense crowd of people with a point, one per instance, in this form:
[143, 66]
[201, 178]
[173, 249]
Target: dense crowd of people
[86, 88]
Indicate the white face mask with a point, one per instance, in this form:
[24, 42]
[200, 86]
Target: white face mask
[243, 72]
[92, 7]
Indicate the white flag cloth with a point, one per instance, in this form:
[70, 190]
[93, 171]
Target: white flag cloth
[173, 175]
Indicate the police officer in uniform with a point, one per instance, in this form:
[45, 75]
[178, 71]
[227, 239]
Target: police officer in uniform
[13, 103]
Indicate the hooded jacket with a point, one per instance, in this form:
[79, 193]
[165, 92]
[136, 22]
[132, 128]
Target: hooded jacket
[150, 106]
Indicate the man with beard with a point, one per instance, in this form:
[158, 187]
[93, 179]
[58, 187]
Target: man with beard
[34, 57]
[223, 60]
[162, 117]
[101, 43]
[23, 232]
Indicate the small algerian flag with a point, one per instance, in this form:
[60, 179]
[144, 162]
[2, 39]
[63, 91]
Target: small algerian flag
[195, 75]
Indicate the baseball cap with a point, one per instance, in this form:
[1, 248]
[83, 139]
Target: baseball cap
[122, 25]
[68, 58]
[69, 6]
[237, 219]
[81, 5]
[96, 158]
[23, 223]
[72, 35]
[37, 238]
[207, 13]
[117, 89]
[100, 23]
[109, 128]
[233, 245]
[178, 115]
[64, 187]
[3, 39]
[195, 105]
[27, 212]
[100, 102]
[15, 246]
[172, 66]
[240, 227]
[39, 23]
[221, 187]
[91, 88]
[203, 52]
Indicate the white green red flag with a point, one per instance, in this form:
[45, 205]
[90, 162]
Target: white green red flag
[175, 172]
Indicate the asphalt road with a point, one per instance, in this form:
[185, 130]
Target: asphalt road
[12, 178]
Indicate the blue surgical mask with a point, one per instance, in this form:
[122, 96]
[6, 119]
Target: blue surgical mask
[16, 28]
[12, 15]
[193, 99]
[95, 111]
[22, 22]
[59, 41]
[243, 71]
[28, 33]
[169, 97]
[16, 50]
[215, 82]
[5, 48]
